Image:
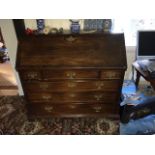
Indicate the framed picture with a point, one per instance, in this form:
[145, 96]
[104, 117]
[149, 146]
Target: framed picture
[97, 24]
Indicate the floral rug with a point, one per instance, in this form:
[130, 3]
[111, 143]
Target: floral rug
[14, 121]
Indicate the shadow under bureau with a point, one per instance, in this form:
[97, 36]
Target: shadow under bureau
[72, 75]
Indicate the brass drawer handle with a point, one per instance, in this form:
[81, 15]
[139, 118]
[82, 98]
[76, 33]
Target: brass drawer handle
[32, 75]
[98, 97]
[97, 109]
[71, 75]
[44, 86]
[48, 108]
[99, 85]
[72, 106]
[71, 85]
[71, 39]
[111, 75]
[47, 97]
[72, 95]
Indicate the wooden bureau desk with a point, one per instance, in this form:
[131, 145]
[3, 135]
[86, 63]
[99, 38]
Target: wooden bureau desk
[70, 75]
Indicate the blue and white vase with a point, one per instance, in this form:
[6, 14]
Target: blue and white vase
[75, 26]
[40, 24]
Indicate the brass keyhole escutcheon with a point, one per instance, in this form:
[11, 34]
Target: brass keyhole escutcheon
[44, 86]
[72, 106]
[71, 75]
[47, 97]
[99, 85]
[111, 74]
[48, 108]
[98, 97]
[32, 75]
[72, 95]
[97, 109]
[71, 85]
[71, 39]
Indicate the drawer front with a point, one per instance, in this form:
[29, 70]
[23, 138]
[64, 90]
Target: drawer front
[69, 74]
[74, 97]
[111, 74]
[72, 86]
[57, 110]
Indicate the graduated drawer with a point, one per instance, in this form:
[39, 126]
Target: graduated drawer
[70, 74]
[72, 109]
[53, 97]
[112, 74]
[58, 74]
[74, 86]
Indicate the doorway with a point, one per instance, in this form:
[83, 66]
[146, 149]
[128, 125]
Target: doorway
[8, 83]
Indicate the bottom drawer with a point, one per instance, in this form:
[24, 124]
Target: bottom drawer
[72, 110]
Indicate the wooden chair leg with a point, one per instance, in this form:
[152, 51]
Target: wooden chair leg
[137, 79]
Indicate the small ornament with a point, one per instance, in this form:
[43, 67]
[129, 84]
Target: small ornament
[60, 30]
[29, 31]
[54, 30]
[75, 26]
[107, 25]
[35, 32]
[46, 30]
[40, 25]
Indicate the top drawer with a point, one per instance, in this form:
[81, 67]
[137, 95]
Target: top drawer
[58, 74]
[49, 74]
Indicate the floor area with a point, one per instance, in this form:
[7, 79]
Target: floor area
[8, 84]
[14, 121]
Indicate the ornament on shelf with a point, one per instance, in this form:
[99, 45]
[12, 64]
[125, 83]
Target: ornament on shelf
[75, 26]
[107, 25]
[29, 31]
[54, 30]
[4, 55]
[40, 25]
[42, 29]
[60, 30]
[46, 30]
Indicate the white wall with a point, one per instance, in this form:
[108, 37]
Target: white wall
[10, 39]
[130, 52]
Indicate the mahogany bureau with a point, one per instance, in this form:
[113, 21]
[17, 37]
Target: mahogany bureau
[70, 75]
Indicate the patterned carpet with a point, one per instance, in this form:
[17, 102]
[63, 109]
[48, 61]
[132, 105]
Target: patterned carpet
[14, 121]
